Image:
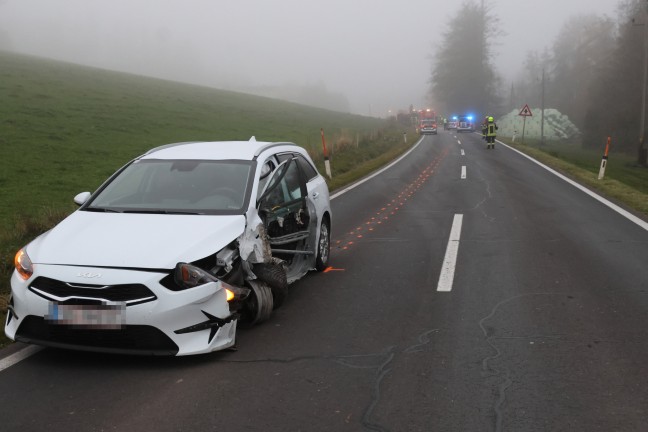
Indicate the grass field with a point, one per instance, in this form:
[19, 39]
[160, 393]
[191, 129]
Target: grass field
[65, 128]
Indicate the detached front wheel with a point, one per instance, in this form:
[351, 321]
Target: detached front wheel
[258, 306]
[274, 276]
[323, 246]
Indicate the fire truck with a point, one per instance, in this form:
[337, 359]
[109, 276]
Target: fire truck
[427, 122]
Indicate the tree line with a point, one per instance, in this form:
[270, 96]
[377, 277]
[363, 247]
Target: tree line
[594, 72]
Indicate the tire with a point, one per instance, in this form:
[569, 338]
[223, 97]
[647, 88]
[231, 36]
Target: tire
[258, 306]
[274, 276]
[323, 246]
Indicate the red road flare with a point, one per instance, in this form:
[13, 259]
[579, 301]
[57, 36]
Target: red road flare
[330, 269]
[401, 198]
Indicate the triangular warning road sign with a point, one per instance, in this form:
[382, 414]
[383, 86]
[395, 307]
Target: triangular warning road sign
[526, 111]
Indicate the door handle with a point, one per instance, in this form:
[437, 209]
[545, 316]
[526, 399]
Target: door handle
[315, 195]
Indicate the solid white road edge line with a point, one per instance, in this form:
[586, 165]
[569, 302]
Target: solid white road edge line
[450, 260]
[19, 356]
[597, 197]
[355, 185]
[463, 172]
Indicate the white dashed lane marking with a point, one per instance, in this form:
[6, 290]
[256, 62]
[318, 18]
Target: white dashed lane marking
[450, 260]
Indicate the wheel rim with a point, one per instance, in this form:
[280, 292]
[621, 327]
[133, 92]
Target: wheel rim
[324, 243]
[259, 307]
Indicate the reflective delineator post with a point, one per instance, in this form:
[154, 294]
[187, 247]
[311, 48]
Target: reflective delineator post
[604, 160]
[327, 163]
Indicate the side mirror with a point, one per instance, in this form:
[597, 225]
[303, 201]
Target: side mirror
[81, 198]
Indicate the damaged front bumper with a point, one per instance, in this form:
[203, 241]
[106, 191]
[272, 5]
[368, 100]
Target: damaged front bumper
[151, 318]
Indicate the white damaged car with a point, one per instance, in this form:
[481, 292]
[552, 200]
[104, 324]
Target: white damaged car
[174, 250]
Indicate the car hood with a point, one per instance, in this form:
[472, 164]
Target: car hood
[134, 240]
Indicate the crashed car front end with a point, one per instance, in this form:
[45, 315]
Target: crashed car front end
[119, 310]
[137, 301]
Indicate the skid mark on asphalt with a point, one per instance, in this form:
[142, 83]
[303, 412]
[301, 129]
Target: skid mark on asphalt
[423, 339]
[488, 196]
[504, 372]
[389, 209]
[380, 361]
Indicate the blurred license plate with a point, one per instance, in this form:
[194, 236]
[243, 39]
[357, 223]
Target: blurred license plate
[95, 316]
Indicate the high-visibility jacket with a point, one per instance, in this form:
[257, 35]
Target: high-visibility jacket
[492, 129]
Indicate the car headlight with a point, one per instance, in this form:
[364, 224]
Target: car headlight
[23, 264]
[190, 276]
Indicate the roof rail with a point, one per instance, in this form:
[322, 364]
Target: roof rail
[162, 147]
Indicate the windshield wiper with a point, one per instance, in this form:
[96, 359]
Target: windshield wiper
[157, 211]
[101, 210]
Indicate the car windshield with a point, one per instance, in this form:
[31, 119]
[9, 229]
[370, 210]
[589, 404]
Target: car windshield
[177, 187]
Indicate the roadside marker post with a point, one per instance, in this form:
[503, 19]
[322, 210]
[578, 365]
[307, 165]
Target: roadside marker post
[327, 163]
[604, 160]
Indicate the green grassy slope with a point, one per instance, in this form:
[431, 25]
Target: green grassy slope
[64, 128]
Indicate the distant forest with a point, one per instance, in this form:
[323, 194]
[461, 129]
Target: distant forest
[594, 72]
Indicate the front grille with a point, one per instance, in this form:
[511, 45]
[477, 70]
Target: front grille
[131, 339]
[64, 292]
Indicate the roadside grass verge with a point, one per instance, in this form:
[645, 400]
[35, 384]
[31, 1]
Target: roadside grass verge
[625, 182]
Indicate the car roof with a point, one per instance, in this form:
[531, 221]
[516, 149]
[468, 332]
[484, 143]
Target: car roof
[213, 150]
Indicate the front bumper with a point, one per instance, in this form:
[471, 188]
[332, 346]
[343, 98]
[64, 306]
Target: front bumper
[191, 321]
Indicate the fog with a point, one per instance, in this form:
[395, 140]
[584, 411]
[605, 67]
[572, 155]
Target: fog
[375, 55]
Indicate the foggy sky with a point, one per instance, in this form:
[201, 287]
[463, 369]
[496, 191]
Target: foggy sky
[377, 53]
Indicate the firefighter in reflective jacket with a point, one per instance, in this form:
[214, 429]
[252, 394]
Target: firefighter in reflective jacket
[491, 133]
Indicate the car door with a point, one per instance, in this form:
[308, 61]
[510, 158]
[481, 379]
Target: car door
[318, 193]
[286, 214]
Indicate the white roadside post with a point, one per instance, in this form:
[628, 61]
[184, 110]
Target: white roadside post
[327, 163]
[604, 160]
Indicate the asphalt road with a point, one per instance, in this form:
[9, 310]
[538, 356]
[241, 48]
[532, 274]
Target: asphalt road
[541, 327]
